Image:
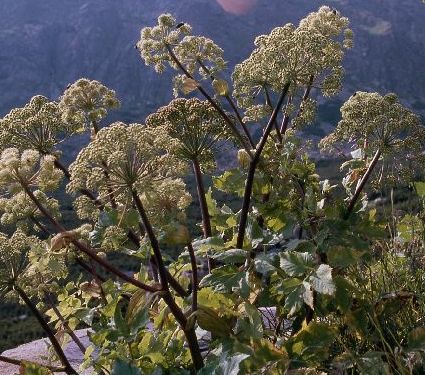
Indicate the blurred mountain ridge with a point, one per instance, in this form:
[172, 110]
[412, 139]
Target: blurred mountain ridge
[44, 45]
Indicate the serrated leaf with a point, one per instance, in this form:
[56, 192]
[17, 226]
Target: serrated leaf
[296, 264]
[232, 256]
[295, 299]
[322, 281]
[223, 279]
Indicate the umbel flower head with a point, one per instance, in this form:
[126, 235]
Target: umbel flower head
[85, 103]
[37, 125]
[310, 54]
[13, 260]
[28, 168]
[373, 123]
[195, 126]
[20, 210]
[195, 53]
[124, 158]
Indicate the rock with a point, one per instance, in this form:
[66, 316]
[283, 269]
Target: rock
[36, 351]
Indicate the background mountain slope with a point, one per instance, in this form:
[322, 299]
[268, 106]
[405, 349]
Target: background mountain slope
[46, 44]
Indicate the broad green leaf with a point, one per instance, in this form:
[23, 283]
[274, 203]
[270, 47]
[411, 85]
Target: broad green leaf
[223, 279]
[121, 367]
[313, 342]
[322, 281]
[343, 294]
[295, 299]
[296, 264]
[232, 256]
[340, 256]
[231, 181]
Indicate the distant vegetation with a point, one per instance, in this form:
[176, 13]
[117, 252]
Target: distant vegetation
[279, 268]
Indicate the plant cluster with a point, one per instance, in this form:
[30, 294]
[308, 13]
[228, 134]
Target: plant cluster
[304, 277]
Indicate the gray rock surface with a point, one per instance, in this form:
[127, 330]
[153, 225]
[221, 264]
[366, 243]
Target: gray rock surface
[36, 351]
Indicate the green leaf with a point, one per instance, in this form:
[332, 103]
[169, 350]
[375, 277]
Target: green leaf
[223, 279]
[343, 294]
[420, 188]
[229, 365]
[223, 364]
[295, 300]
[296, 264]
[322, 281]
[232, 256]
[312, 343]
[123, 368]
[231, 181]
[120, 323]
[255, 325]
[339, 256]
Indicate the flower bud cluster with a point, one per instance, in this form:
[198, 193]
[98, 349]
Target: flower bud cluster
[167, 202]
[37, 125]
[295, 55]
[195, 53]
[123, 158]
[113, 238]
[19, 209]
[371, 122]
[195, 126]
[153, 41]
[28, 167]
[85, 102]
[14, 260]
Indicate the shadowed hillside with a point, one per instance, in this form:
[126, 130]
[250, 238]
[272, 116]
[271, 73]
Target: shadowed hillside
[45, 45]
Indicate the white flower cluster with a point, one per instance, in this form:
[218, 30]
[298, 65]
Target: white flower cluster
[194, 125]
[28, 167]
[37, 125]
[85, 103]
[124, 158]
[310, 54]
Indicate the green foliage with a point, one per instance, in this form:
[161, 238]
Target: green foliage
[305, 276]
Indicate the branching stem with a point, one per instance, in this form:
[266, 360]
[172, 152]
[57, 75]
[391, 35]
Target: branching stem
[362, 184]
[58, 349]
[252, 168]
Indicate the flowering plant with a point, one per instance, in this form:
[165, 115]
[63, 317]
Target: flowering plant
[297, 277]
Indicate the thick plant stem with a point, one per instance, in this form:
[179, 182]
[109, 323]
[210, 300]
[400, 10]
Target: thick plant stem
[58, 349]
[269, 103]
[244, 142]
[252, 168]
[206, 223]
[65, 324]
[153, 240]
[362, 184]
[194, 277]
[285, 121]
[232, 104]
[19, 362]
[189, 332]
[85, 249]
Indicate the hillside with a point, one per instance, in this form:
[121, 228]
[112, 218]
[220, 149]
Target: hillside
[45, 45]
